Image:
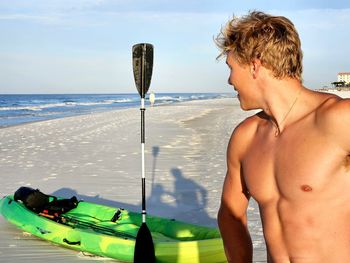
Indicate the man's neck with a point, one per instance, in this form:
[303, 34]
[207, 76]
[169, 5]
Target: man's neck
[282, 102]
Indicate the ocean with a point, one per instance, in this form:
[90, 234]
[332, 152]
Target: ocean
[24, 108]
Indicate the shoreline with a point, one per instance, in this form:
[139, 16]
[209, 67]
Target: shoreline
[107, 111]
[19, 108]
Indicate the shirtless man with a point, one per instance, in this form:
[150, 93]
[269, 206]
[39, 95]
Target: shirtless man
[292, 157]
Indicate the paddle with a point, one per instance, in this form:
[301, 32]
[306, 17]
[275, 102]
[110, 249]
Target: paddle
[77, 222]
[142, 62]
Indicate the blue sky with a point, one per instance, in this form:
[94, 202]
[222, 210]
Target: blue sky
[84, 46]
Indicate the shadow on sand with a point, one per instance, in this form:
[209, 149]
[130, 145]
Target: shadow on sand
[189, 198]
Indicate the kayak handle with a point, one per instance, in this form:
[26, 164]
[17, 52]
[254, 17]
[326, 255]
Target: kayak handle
[73, 243]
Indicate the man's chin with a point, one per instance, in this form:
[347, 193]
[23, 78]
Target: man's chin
[245, 107]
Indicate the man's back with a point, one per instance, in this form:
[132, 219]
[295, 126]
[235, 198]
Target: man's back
[301, 180]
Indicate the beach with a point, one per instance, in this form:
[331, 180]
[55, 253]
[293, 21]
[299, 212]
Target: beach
[340, 93]
[97, 157]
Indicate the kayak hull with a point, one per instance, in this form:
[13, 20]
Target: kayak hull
[94, 228]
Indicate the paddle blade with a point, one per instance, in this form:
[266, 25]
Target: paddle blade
[142, 63]
[144, 248]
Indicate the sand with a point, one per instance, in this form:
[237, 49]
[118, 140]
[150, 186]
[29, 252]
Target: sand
[97, 158]
[343, 93]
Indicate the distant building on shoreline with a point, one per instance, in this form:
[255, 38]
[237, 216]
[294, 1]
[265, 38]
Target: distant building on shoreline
[343, 82]
[344, 77]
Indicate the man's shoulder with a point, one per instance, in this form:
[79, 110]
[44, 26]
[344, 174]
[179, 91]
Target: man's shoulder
[333, 110]
[333, 119]
[245, 131]
[250, 124]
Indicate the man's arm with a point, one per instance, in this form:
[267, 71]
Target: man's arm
[232, 218]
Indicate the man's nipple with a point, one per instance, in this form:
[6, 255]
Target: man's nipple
[306, 188]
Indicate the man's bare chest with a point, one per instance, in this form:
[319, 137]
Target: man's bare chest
[291, 166]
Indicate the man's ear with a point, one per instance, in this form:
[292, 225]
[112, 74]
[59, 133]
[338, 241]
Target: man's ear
[255, 67]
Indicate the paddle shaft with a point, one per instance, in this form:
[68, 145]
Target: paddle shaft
[143, 177]
[79, 223]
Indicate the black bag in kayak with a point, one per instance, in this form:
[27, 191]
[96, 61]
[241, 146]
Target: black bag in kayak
[41, 203]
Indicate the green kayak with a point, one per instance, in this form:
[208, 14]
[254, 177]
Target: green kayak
[111, 232]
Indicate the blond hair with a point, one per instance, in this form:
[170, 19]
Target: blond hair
[271, 39]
